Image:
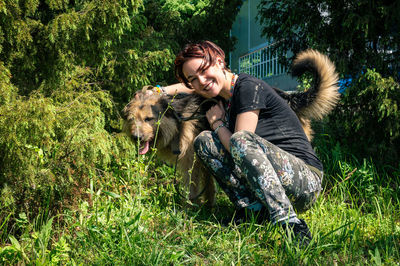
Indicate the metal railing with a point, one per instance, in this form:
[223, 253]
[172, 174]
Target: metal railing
[261, 63]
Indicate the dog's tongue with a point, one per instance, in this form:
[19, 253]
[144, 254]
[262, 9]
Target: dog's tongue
[145, 149]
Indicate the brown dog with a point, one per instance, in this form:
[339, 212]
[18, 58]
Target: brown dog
[162, 121]
[156, 120]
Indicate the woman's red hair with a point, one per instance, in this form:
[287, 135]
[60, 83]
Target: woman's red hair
[206, 50]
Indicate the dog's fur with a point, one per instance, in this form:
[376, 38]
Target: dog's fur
[141, 117]
[320, 99]
[143, 112]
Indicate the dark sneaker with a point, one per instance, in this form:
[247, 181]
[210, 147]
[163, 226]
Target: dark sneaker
[299, 233]
[245, 216]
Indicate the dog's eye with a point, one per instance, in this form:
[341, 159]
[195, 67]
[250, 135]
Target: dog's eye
[148, 119]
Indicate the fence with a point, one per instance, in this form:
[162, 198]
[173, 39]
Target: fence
[261, 63]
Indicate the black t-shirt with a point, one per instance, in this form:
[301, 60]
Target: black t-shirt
[277, 122]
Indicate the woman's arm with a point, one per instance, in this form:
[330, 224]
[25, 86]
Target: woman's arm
[170, 89]
[244, 121]
[177, 88]
[247, 121]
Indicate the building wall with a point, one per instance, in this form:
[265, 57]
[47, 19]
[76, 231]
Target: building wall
[247, 30]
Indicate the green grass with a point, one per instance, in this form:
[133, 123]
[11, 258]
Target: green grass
[136, 218]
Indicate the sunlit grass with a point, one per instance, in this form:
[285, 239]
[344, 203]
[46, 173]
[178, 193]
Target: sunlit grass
[138, 218]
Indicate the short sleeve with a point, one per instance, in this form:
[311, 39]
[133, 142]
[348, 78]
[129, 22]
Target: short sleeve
[250, 96]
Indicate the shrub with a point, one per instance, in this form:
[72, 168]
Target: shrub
[51, 148]
[7, 90]
[367, 122]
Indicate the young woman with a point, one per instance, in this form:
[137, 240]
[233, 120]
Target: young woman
[257, 151]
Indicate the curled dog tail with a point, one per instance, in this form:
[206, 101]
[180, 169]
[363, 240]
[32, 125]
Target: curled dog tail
[323, 96]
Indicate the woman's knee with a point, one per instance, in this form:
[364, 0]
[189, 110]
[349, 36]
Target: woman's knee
[239, 138]
[202, 141]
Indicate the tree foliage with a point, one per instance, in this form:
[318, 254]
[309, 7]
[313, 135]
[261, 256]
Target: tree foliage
[356, 34]
[368, 120]
[66, 69]
[43, 41]
[183, 21]
[125, 44]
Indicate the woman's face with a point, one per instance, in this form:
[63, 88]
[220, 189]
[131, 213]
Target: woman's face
[209, 82]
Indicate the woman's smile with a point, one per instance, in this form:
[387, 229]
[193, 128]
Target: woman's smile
[209, 86]
[208, 82]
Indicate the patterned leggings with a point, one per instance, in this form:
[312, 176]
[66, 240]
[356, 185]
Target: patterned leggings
[257, 173]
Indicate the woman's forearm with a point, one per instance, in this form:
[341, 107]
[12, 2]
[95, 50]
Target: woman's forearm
[177, 88]
[224, 134]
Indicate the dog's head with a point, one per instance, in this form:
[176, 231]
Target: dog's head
[145, 118]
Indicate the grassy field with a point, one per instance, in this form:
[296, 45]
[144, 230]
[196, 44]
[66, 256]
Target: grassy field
[136, 218]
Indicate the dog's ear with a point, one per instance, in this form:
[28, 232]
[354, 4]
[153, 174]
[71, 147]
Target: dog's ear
[164, 102]
[142, 94]
[157, 110]
[161, 107]
[124, 114]
[164, 105]
[146, 88]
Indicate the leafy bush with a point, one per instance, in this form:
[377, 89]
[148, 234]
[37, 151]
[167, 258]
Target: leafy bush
[51, 148]
[368, 120]
[7, 90]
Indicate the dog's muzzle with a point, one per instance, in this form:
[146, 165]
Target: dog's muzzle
[144, 145]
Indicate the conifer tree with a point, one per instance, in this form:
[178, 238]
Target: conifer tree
[119, 45]
[66, 68]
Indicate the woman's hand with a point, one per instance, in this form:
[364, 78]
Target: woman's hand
[145, 91]
[215, 115]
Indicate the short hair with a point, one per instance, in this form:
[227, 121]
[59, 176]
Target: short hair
[206, 50]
